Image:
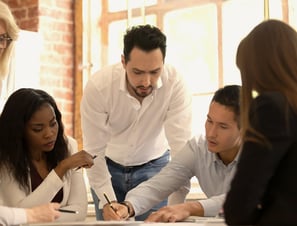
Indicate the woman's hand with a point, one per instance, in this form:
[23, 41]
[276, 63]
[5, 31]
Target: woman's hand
[44, 213]
[77, 160]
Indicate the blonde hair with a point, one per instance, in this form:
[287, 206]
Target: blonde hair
[12, 30]
[267, 60]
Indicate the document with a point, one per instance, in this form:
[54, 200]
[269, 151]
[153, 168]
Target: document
[191, 221]
[86, 223]
[132, 223]
[205, 219]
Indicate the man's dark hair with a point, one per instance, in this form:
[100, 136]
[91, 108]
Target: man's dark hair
[144, 37]
[229, 96]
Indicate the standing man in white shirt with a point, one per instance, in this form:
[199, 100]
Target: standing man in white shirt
[212, 158]
[134, 115]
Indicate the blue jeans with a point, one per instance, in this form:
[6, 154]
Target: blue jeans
[125, 178]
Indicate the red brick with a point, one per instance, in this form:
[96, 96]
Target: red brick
[53, 19]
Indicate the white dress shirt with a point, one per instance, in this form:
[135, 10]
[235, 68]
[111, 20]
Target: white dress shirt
[74, 192]
[193, 160]
[12, 216]
[116, 125]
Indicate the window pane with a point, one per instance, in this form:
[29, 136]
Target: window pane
[293, 13]
[200, 109]
[120, 5]
[192, 45]
[275, 9]
[92, 43]
[239, 17]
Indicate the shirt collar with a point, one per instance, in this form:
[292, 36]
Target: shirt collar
[217, 159]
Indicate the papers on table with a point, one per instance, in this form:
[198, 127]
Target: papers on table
[205, 219]
[191, 221]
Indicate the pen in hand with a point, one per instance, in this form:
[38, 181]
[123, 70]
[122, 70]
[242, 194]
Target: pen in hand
[109, 203]
[93, 157]
[67, 211]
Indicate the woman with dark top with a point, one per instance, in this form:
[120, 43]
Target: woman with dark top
[264, 188]
[9, 31]
[37, 161]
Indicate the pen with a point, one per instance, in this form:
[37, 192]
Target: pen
[107, 199]
[80, 166]
[67, 211]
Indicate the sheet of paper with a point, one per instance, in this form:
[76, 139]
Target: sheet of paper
[191, 221]
[205, 219]
[197, 222]
[87, 223]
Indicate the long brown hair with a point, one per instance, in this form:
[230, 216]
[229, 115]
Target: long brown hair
[267, 60]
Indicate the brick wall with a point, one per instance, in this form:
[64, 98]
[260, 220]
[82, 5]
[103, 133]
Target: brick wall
[53, 19]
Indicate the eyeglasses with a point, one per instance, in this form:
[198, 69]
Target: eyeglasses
[5, 40]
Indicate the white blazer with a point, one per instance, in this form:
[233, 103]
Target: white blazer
[74, 191]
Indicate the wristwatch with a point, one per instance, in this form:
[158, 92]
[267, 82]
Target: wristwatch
[129, 207]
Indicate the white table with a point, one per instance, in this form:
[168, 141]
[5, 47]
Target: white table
[192, 221]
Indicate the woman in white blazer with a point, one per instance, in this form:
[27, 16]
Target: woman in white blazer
[9, 32]
[38, 163]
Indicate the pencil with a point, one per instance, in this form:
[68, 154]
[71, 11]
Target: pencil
[110, 204]
[67, 211]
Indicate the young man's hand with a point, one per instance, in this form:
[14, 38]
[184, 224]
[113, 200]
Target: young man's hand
[118, 212]
[178, 212]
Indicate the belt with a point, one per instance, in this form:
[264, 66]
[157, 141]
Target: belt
[119, 166]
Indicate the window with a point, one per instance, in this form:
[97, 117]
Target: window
[206, 57]
[24, 70]
[202, 37]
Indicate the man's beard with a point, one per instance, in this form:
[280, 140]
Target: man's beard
[142, 95]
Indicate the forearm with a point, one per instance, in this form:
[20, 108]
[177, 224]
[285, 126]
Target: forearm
[61, 169]
[101, 183]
